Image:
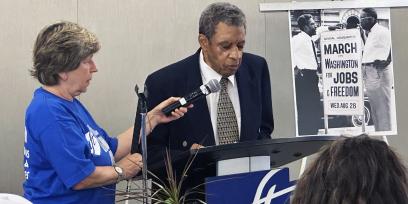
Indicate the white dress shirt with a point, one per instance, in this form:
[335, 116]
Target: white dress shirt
[207, 73]
[303, 54]
[378, 44]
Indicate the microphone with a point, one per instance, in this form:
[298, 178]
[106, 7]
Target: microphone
[211, 87]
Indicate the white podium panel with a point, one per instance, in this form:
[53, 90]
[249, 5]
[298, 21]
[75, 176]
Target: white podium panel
[243, 165]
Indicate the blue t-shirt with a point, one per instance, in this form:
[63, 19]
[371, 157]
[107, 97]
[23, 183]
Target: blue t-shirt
[63, 145]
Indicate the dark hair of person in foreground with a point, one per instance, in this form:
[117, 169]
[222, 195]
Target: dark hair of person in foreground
[354, 170]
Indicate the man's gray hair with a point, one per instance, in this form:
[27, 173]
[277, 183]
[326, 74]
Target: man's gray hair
[220, 12]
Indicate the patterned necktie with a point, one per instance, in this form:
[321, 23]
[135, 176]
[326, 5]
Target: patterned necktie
[227, 126]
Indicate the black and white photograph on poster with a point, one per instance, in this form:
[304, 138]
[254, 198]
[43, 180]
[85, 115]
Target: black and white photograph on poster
[365, 88]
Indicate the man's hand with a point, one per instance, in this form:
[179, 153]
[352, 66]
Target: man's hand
[297, 71]
[381, 64]
[196, 146]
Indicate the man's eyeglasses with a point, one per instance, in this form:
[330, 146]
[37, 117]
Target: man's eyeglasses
[365, 18]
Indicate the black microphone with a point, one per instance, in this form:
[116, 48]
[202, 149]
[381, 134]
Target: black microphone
[211, 87]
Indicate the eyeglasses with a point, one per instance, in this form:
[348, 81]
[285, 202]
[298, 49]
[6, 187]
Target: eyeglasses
[365, 18]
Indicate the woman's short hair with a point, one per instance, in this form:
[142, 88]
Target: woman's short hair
[355, 170]
[352, 22]
[61, 47]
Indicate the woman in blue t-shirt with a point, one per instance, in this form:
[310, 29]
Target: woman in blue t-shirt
[68, 158]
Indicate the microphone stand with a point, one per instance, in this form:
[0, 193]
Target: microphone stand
[143, 113]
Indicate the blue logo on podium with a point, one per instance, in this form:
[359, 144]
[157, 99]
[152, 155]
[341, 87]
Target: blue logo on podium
[262, 187]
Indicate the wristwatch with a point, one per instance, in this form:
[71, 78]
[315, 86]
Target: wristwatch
[119, 171]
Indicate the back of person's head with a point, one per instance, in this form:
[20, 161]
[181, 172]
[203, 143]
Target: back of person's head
[352, 22]
[61, 47]
[303, 20]
[370, 12]
[220, 12]
[355, 170]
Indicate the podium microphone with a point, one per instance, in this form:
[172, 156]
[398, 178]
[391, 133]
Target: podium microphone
[211, 87]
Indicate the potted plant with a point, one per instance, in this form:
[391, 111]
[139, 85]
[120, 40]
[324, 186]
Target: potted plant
[165, 192]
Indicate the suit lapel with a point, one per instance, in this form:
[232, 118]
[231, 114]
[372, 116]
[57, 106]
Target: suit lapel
[245, 85]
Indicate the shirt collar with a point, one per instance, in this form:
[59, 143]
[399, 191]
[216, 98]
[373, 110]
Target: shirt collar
[375, 27]
[209, 73]
[305, 35]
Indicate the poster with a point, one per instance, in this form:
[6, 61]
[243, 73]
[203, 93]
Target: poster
[367, 84]
[341, 52]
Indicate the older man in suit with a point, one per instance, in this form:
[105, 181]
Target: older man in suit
[245, 94]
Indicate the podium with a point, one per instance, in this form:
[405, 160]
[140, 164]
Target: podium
[281, 151]
[278, 151]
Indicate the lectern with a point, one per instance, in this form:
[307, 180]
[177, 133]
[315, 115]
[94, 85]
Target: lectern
[280, 151]
[275, 152]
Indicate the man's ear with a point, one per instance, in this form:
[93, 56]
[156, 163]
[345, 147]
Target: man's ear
[204, 42]
[374, 21]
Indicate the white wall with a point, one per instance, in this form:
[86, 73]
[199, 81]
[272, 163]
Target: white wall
[20, 21]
